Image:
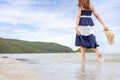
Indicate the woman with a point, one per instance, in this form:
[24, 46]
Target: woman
[85, 37]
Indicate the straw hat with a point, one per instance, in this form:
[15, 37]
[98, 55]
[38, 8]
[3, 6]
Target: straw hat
[110, 36]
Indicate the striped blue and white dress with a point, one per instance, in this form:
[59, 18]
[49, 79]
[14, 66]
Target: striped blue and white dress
[86, 25]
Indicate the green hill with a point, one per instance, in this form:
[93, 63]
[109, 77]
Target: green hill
[20, 46]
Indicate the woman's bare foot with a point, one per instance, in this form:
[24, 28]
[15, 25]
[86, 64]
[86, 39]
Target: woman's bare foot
[82, 60]
[100, 58]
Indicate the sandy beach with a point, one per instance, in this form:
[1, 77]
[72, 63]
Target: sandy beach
[58, 67]
[11, 69]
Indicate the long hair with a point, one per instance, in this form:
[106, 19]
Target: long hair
[85, 4]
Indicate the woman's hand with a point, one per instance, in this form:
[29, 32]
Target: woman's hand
[77, 31]
[106, 28]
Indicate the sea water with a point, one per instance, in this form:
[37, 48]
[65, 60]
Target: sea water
[68, 66]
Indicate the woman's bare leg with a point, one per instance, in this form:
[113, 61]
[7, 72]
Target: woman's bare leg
[82, 49]
[98, 54]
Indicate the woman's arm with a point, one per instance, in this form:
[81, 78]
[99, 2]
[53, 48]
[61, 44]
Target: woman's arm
[77, 20]
[98, 17]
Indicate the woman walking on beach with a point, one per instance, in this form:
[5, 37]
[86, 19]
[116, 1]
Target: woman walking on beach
[85, 37]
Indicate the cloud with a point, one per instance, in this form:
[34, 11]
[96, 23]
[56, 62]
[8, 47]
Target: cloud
[53, 20]
[48, 25]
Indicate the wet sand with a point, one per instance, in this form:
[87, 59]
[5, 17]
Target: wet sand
[59, 67]
[11, 69]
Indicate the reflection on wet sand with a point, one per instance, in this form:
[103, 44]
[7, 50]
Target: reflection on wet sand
[89, 72]
[98, 72]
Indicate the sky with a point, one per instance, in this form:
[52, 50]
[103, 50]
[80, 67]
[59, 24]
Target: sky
[54, 21]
